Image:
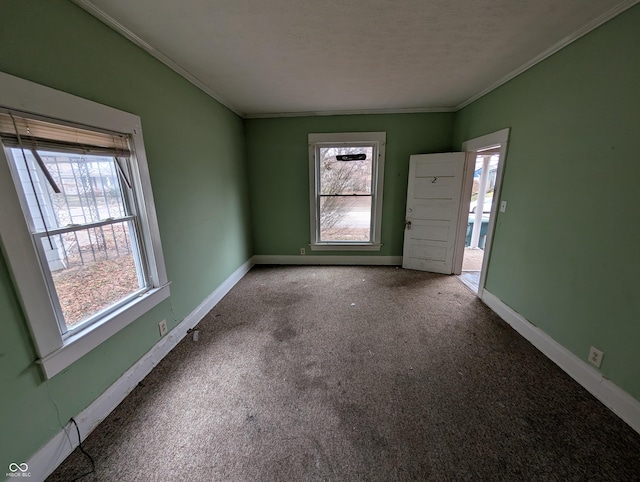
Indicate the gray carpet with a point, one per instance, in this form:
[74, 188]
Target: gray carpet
[356, 373]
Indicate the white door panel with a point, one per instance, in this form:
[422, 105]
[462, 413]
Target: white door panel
[435, 168]
[433, 210]
[426, 265]
[427, 188]
[428, 252]
[428, 232]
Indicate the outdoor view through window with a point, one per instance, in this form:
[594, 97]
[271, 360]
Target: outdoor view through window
[92, 266]
[345, 193]
[80, 209]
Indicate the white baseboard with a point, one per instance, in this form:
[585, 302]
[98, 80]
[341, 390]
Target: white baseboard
[54, 452]
[329, 260]
[611, 395]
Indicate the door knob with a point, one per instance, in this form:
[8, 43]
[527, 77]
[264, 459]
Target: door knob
[407, 224]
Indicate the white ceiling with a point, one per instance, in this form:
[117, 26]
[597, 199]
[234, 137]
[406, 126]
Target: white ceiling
[270, 57]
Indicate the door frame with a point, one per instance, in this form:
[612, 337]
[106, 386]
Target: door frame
[471, 147]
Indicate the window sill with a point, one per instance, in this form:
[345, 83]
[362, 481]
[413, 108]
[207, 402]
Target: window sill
[86, 340]
[345, 247]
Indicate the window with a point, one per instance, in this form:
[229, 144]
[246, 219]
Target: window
[79, 227]
[346, 174]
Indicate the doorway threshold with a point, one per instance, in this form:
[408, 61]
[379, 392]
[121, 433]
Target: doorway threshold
[471, 279]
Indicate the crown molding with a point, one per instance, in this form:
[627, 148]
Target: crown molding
[419, 110]
[90, 8]
[93, 10]
[581, 32]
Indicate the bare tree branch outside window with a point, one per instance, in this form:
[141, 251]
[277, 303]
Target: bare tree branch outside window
[345, 194]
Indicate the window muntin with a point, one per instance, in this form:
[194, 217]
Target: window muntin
[86, 289]
[345, 181]
[345, 191]
[87, 233]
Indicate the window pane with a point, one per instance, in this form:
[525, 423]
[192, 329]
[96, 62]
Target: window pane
[90, 189]
[345, 176]
[93, 269]
[345, 218]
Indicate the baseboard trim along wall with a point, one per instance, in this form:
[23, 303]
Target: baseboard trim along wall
[53, 453]
[329, 260]
[611, 395]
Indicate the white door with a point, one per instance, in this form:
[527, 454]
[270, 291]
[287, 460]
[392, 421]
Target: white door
[433, 210]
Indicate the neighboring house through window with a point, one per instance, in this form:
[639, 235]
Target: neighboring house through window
[346, 177]
[78, 226]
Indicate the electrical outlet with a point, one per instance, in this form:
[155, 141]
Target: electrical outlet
[595, 357]
[163, 327]
[303, 251]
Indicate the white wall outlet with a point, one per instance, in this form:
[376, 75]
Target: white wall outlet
[595, 357]
[303, 251]
[163, 327]
[503, 206]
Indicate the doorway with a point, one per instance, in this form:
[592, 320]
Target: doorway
[481, 198]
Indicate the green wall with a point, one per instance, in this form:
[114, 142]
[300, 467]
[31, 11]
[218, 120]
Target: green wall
[196, 155]
[566, 253]
[279, 174]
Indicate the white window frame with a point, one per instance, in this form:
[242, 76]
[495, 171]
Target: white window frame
[55, 351]
[319, 140]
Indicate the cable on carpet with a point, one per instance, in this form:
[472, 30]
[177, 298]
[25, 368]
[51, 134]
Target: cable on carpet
[93, 464]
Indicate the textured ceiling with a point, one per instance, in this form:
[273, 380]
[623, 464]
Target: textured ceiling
[262, 57]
